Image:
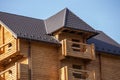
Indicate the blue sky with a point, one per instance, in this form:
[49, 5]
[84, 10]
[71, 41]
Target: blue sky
[102, 15]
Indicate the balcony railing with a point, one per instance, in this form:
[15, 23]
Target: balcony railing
[76, 74]
[10, 73]
[77, 49]
[8, 49]
[15, 72]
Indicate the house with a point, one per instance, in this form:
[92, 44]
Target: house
[62, 47]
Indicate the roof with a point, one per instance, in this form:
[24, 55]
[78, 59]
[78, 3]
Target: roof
[26, 27]
[67, 19]
[37, 29]
[104, 43]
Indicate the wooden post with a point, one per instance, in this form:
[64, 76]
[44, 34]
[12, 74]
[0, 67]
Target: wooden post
[93, 51]
[65, 47]
[1, 42]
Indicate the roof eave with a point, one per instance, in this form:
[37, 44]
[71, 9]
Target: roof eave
[4, 25]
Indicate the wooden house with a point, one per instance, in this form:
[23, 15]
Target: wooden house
[62, 47]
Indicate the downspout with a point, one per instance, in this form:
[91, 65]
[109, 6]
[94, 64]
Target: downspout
[100, 67]
[29, 60]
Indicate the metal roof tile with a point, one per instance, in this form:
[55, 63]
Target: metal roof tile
[104, 43]
[65, 18]
[25, 27]
[35, 29]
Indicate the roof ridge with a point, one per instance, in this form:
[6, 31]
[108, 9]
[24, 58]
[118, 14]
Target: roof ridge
[80, 19]
[45, 26]
[64, 19]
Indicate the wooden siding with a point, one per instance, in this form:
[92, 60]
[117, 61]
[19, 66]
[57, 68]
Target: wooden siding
[45, 64]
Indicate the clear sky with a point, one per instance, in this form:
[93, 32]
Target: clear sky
[102, 15]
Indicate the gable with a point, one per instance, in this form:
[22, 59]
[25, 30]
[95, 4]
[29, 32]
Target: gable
[5, 35]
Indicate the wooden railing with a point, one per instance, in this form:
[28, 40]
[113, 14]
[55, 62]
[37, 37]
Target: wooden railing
[77, 49]
[18, 71]
[8, 49]
[76, 74]
[10, 73]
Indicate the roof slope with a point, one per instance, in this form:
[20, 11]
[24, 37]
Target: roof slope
[66, 18]
[25, 27]
[35, 29]
[104, 43]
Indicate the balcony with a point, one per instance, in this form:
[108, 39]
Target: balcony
[77, 49]
[14, 72]
[76, 74]
[8, 50]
